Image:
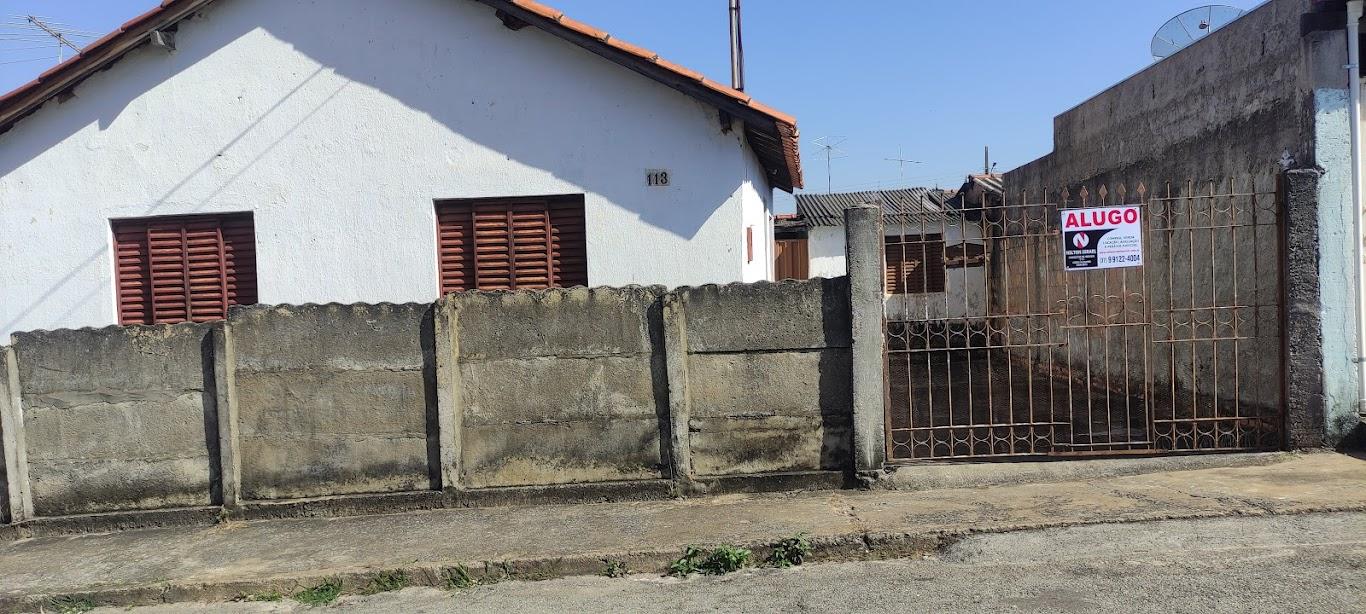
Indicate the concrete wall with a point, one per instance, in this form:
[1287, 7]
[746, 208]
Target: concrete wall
[1242, 104]
[559, 386]
[118, 418]
[481, 391]
[768, 369]
[334, 399]
[269, 107]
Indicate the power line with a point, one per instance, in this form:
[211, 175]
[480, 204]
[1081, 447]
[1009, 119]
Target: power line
[61, 38]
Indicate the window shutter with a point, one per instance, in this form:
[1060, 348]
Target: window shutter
[492, 249]
[455, 245]
[529, 225]
[569, 247]
[914, 264]
[515, 244]
[239, 249]
[133, 272]
[184, 269]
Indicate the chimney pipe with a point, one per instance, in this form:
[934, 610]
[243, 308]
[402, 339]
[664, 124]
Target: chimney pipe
[737, 48]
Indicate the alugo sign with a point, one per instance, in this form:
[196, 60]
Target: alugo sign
[1102, 238]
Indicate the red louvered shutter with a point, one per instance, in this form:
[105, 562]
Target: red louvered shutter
[455, 245]
[569, 245]
[492, 249]
[514, 244]
[184, 269]
[133, 272]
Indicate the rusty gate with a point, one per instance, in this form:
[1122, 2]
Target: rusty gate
[994, 351]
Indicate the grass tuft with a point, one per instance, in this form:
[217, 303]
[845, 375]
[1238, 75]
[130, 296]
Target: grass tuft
[322, 594]
[67, 604]
[387, 581]
[718, 561]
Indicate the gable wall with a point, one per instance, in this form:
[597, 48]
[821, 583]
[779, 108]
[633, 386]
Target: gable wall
[336, 124]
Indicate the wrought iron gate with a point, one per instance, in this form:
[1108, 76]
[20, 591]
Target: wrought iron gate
[993, 350]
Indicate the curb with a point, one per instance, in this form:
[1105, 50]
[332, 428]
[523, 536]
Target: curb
[865, 546]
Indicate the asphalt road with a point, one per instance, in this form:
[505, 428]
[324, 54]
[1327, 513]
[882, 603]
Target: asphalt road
[1310, 563]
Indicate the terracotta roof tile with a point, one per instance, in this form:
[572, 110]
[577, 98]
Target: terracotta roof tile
[635, 50]
[583, 28]
[540, 9]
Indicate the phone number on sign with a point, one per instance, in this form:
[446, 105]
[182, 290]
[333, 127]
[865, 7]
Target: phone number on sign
[1121, 258]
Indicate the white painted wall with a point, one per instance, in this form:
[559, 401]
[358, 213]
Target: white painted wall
[965, 288]
[336, 123]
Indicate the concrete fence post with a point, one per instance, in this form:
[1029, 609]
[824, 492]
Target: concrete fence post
[1302, 335]
[17, 492]
[225, 404]
[680, 399]
[449, 408]
[863, 251]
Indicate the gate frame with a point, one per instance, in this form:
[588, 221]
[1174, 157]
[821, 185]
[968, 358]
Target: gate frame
[1297, 278]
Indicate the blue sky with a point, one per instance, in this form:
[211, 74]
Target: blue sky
[937, 80]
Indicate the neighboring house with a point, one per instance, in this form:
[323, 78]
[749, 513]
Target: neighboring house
[933, 255]
[220, 152]
[978, 194]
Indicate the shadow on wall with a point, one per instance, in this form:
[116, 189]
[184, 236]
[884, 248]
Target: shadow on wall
[455, 63]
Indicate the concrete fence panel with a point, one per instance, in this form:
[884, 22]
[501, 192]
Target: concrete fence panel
[334, 399]
[118, 418]
[768, 376]
[560, 386]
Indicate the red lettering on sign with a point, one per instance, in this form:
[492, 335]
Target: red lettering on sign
[1131, 216]
[1115, 217]
[1071, 221]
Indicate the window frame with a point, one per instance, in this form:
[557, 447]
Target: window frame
[219, 244]
[563, 239]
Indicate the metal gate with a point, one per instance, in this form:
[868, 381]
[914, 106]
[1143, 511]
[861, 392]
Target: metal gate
[993, 350]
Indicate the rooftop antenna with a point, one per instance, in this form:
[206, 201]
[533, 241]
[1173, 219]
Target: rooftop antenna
[901, 163]
[23, 35]
[830, 145]
[1181, 31]
[61, 38]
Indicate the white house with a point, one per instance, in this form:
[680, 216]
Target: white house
[934, 255]
[213, 152]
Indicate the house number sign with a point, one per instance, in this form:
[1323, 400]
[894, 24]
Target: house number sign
[657, 177]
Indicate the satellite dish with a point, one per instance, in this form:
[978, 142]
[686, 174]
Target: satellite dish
[1191, 26]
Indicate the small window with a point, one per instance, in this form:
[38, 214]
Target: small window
[184, 268]
[914, 264]
[511, 244]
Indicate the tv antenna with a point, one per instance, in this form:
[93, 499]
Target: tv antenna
[23, 36]
[901, 163]
[830, 145]
[1180, 31]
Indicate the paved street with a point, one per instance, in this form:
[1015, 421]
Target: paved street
[1301, 563]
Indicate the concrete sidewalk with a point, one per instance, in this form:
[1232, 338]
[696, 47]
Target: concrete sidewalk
[235, 559]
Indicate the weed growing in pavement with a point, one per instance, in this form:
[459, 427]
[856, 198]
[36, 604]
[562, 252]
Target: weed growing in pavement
[458, 578]
[322, 594]
[790, 551]
[614, 568]
[387, 581]
[266, 596]
[67, 604]
[718, 561]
